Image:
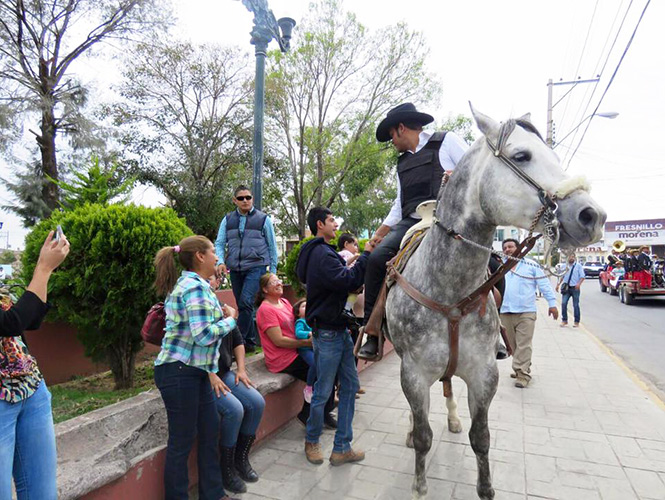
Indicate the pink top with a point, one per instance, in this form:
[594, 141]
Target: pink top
[268, 316]
[347, 256]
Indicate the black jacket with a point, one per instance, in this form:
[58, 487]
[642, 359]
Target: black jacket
[643, 262]
[328, 282]
[229, 343]
[26, 314]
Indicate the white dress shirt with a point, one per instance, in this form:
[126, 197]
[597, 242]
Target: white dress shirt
[452, 149]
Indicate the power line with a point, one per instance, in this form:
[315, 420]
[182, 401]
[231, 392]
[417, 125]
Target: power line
[602, 71]
[616, 70]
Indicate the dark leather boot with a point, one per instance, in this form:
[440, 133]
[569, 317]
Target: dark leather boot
[501, 351]
[230, 478]
[370, 349]
[242, 464]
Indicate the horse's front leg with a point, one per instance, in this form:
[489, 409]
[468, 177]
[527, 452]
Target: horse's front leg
[482, 387]
[416, 390]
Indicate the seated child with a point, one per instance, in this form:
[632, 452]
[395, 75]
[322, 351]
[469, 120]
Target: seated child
[304, 331]
[617, 273]
[347, 244]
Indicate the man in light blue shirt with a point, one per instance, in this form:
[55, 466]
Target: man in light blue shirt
[573, 279]
[518, 311]
[246, 247]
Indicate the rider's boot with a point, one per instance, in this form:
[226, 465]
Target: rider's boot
[501, 351]
[370, 350]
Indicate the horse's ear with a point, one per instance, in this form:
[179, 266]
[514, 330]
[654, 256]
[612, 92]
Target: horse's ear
[525, 118]
[487, 125]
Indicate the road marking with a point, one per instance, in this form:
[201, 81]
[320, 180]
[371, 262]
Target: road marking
[632, 374]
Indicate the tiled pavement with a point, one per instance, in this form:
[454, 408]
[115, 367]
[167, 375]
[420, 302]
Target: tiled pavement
[585, 428]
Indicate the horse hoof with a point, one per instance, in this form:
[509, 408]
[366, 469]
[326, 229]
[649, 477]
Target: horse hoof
[409, 440]
[486, 493]
[454, 426]
[419, 491]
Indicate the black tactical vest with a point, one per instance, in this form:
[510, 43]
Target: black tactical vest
[420, 174]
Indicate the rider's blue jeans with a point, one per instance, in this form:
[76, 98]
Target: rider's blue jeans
[575, 294]
[333, 354]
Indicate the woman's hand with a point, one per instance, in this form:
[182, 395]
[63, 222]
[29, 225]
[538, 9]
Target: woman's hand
[241, 376]
[52, 253]
[229, 312]
[218, 385]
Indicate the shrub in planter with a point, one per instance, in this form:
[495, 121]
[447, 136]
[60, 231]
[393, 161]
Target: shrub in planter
[105, 286]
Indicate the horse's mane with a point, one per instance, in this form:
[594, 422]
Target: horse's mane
[528, 126]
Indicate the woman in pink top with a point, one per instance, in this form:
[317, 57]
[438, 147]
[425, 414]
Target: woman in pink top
[276, 324]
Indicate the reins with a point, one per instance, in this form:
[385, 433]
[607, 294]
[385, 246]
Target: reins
[454, 314]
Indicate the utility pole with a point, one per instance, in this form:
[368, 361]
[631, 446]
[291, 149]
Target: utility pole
[550, 121]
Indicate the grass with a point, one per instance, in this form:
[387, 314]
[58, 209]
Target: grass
[85, 394]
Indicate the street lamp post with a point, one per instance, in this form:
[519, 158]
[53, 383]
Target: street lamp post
[266, 27]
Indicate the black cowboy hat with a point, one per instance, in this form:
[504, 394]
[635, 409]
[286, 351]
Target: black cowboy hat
[403, 113]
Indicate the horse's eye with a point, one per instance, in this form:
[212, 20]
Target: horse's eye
[522, 157]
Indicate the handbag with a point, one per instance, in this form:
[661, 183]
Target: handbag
[154, 325]
[566, 286]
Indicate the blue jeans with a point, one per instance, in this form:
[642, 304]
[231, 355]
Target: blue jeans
[190, 409]
[575, 294]
[27, 447]
[307, 354]
[333, 354]
[240, 411]
[245, 285]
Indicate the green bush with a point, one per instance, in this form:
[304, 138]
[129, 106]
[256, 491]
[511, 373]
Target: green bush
[7, 257]
[105, 286]
[292, 259]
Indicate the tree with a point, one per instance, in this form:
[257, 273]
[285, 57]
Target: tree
[186, 117]
[105, 286]
[39, 42]
[324, 97]
[7, 257]
[98, 185]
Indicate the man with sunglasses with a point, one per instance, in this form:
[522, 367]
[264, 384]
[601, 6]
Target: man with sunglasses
[246, 247]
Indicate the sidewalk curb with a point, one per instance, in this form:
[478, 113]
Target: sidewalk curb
[634, 376]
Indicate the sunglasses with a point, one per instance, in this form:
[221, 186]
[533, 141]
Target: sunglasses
[243, 198]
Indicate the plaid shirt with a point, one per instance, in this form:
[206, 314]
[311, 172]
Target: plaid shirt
[194, 324]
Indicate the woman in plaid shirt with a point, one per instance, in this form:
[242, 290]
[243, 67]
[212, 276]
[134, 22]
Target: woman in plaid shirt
[195, 325]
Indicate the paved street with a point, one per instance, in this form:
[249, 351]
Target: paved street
[586, 428]
[636, 333]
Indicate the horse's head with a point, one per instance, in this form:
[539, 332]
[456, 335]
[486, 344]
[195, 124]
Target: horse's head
[521, 174]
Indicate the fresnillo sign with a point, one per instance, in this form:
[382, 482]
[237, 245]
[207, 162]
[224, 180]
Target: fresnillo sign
[636, 232]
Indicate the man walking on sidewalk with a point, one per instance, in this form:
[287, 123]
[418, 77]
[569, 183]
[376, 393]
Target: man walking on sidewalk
[518, 311]
[329, 281]
[570, 284]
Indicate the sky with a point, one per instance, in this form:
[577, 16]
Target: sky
[500, 55]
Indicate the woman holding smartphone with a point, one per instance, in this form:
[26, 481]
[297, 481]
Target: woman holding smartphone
[27, 437]
[195, 326]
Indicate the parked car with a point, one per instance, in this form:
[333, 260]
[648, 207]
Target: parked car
[592, 269]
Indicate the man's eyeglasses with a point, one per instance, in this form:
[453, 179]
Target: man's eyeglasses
[243, 198]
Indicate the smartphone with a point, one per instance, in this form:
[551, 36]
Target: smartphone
[58, 233]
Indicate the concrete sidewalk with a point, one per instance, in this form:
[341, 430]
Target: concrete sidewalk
[585, 428]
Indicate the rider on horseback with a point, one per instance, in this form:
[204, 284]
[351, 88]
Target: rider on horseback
[424, 158]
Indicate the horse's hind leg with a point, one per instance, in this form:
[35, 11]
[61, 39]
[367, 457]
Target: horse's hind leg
[454, 422]
[416, 390]
[481, 391]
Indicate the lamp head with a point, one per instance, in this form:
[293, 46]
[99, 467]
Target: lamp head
[286, 25]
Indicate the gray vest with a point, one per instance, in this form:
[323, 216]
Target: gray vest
[420, 174]
[249, 249]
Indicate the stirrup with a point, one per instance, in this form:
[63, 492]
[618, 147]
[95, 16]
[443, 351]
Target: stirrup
[359, 343]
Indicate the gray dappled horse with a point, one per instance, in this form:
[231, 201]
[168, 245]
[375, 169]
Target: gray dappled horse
[481, 194]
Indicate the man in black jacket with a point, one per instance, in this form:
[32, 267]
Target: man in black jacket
[328, 282]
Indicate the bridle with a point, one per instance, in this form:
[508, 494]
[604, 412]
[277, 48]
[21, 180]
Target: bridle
[548, 200]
